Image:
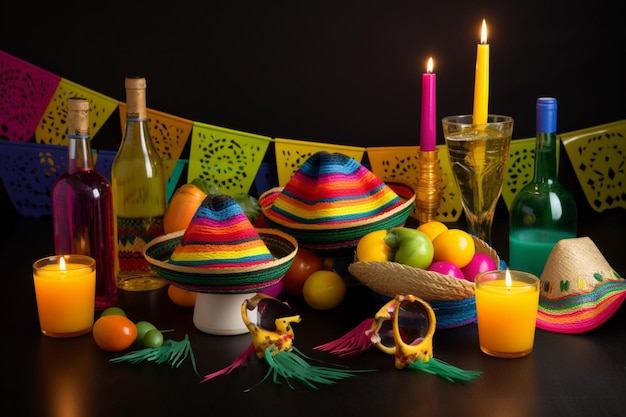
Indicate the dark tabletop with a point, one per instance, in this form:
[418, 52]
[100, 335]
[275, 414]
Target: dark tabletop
[566, 375]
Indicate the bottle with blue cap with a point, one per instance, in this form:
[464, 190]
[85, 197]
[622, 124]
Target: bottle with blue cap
[544, 211]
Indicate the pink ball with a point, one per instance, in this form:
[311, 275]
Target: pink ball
[479, 263]
[446, 268]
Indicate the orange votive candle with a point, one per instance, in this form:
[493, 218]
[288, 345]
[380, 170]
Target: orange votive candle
[506, 310]
[65, 288]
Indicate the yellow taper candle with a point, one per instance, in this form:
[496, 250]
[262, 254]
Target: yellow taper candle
[481, 81]
[65, 287]
[506, 311]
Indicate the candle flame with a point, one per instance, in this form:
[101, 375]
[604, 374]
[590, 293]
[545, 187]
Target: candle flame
[507, 278]
[430, 65]
[62, 266]
[483, 33]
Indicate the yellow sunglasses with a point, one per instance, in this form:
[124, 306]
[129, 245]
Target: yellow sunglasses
[403, 327]
[272, 327]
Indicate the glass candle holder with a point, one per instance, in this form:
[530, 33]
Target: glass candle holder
[65, 287]
[506, 312]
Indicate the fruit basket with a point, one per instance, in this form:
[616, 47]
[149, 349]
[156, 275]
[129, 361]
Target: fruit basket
[452, 299]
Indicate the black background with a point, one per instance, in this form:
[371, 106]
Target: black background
[345, 72]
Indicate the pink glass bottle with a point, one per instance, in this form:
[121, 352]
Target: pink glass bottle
[82, 207]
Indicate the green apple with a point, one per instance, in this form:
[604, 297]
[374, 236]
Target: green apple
[410, 247]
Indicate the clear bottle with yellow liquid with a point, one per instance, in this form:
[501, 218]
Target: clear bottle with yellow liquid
[138, 183]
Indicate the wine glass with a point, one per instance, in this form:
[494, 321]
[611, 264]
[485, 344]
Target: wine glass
[478, 154]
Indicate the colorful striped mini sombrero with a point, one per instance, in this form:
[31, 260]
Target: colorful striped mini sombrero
[221, 251]
[332, 201]
[579, 289]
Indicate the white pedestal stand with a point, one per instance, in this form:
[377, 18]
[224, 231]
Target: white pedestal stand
[220, 314]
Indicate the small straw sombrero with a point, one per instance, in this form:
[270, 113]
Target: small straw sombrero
[332, 201]
[579, 289]
[453, 299]
[221, 251]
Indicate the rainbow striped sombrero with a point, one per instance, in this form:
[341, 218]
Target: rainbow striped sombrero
[579, 289]
[332, 201]
[221, 251]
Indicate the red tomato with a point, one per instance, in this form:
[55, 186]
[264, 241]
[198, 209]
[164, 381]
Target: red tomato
[304, 264]
[114, 333]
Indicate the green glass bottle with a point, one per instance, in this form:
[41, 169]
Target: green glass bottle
[544, 211]
[139, 199]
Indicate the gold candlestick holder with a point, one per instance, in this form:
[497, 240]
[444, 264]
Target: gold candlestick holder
[428, 192]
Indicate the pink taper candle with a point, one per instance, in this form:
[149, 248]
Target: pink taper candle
[428, 132]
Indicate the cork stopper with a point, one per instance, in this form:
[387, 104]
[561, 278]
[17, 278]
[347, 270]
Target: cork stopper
[78, 116]
[136, 97]
[135, 83]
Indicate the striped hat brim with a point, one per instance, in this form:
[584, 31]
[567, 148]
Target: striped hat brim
[233, 279]
[582, 312]
[332, 201]
[579, 289]
[333, 238]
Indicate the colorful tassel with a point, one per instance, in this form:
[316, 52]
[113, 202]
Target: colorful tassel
[355, 341]
[174, 352]
[292, 365]
[444, 370]
[241, 360]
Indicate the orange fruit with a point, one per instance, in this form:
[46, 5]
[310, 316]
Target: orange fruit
[182, 297]
[432, 228]
[114, 333]
[454, 245]
[182, 207]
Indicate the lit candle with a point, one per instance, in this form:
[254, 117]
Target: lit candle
[506, 310]
[481, 82]
[65, 287]
[428, 132]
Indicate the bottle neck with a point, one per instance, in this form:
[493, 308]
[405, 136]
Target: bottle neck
[79, 154]
[137, 132]
[136, 115]
[545, 157]
[136, 104]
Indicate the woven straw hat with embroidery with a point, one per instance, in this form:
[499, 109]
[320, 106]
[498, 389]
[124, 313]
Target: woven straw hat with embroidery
[579, 289]
[332, 201]
[221, 251]
[453, 299]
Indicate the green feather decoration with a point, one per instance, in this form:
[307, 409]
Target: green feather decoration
[174, 352]
[445, 370]
[291, 365]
